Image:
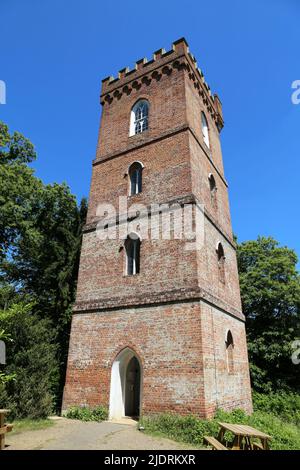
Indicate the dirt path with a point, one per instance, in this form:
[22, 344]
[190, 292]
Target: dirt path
[67, 434]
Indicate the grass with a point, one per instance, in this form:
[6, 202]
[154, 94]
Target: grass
[152, 431]
[31, 425]
[191, 430]
[85, 413]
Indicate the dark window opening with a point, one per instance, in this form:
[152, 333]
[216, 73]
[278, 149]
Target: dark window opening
[132, 246]
[213, 191]
[221, 263]
[135, 175]
[229, 352]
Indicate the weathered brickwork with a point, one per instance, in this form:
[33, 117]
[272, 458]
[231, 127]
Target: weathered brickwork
[166, 174]
[201, 168]
[208, 269]
[182, 350]
[166, 339]
[102, 269]
[174, 315]
[224, 390]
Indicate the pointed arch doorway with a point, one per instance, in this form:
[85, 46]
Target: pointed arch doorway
[125, 385]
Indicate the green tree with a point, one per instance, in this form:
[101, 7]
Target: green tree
[30, 362]
[45, 262]
[40, 239]
[18, 187]
[270, 290]
[4, 377]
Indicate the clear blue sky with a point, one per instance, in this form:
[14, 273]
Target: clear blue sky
[54, 54]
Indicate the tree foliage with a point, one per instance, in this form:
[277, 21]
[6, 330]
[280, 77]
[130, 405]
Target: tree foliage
[270, 289]
[40, 238]
[31, 362]
[18, 187]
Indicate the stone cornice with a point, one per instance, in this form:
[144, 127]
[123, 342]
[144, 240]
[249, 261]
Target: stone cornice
[214, 222]
[165, 297]
[141, 140]
[120, 218]
[182, 200]
[144, 140]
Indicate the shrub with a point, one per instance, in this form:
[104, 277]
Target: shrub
[31, 362]
[284, 405]
[84, 413]
[191, 430]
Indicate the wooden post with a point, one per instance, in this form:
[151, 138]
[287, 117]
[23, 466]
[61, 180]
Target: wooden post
[2, 436]
[221, 435]
[3, 413]
[265, 444]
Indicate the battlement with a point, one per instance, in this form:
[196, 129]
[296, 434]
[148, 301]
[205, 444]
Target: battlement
[178, 47]
[162, 62]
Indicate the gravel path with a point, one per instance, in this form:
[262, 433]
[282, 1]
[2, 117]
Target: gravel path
[67, 434]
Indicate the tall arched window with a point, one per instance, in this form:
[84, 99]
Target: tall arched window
[221, 262]
[139, 117]
[132, 247]
[229, 352]
[135, 175]
[213, 190]
[205, 129]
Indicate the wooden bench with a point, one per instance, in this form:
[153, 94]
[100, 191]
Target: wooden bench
[244, 436]
[4, 428]
[9, 427]
[214, 443]
[257, 446]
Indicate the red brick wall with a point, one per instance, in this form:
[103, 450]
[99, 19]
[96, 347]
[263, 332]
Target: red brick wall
[201, 168]
[165, 266]
[166, 112]
[175, 313]
[182, 351]
[166, 339]
[222, 389]
[208, 269]
[194, 107]
[166, 174]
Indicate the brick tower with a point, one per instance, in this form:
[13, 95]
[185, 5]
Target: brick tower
[158, 327]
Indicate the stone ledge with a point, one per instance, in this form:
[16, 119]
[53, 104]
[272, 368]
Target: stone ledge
[182, 200]
[144, 139]
[120, 218]
[166, 297]
[139, 141]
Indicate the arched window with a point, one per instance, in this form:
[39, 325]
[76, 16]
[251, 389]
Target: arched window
[135, 175]
[132, 247]
[213, 190]
[221, 262]
[229, 352]
[139, 117]
[205, 129]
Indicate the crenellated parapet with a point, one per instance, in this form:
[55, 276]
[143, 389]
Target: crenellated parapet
[162, 63]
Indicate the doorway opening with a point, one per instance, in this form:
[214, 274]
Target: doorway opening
[125, 386]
